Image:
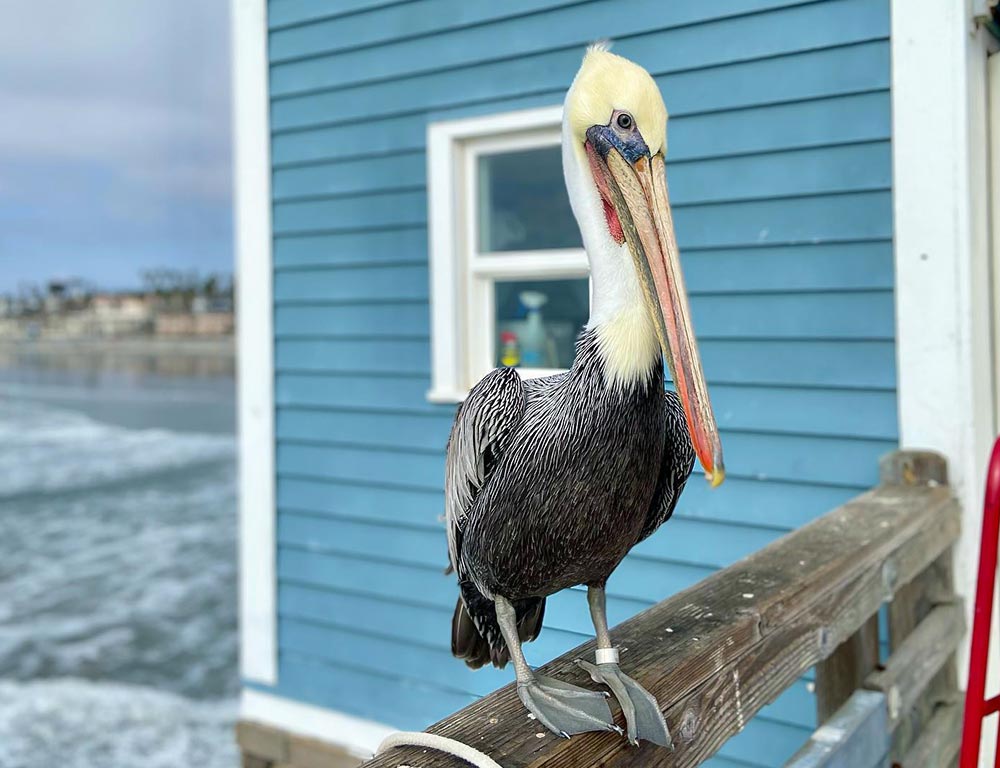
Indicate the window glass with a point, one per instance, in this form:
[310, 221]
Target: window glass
[523, 204]
[537, 321]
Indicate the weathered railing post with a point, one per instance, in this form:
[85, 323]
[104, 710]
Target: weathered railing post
[908, 715]
[913, 603]
[840, 675]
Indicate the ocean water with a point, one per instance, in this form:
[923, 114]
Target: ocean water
[117, 563]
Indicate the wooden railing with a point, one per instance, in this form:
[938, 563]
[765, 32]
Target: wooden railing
[716, 653]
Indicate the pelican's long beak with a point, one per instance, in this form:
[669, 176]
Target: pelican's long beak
[637, 193]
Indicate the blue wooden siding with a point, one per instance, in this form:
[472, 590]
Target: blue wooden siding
[779, 169]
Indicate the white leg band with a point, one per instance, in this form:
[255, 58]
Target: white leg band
[607, 655]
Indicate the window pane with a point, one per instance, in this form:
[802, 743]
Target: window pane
[523, 203]
[538, 321]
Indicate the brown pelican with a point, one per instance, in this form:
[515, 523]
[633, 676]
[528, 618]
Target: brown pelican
[551, 481]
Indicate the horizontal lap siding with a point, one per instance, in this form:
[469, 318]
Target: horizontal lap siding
[779, 170]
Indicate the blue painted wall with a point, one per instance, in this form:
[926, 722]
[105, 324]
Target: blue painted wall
[779, 169]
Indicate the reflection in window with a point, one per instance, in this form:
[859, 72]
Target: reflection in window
[538, 321]
[523, 203]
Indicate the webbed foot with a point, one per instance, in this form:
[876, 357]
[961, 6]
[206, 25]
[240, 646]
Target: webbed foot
[642, 713]
[566, 709]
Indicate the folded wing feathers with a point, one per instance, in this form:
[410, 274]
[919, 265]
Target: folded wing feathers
[482, 428]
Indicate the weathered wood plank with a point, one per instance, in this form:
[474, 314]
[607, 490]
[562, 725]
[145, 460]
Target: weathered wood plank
[855, 736]
[262, 741]
[913, 468]
[716, 653]
[914, 603]
[938, 744]
[911, 605]
[727, 702]
[263, 746]
[310, 753]
[838, 676]
[919, 658]
[917, 598]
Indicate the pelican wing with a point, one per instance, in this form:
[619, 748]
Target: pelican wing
[482, 429]
[675, 468]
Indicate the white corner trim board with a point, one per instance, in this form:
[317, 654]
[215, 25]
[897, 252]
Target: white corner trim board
[942, 252]
[357, 735]
[255, 368]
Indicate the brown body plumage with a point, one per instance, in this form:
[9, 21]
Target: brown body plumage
[565, 493]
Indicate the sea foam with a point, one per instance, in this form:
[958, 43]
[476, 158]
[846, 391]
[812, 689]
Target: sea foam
[81, 724]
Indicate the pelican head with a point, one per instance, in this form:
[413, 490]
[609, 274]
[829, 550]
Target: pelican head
[614, 144]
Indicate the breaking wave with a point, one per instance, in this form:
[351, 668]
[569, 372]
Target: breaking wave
[118, 617]
[45, 449]
[81, 724]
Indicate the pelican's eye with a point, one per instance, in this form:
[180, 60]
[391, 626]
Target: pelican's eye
[625, 121]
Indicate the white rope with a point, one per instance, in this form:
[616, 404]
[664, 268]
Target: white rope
[440, 743]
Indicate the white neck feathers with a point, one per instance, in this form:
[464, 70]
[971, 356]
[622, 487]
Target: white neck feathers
[626, 336]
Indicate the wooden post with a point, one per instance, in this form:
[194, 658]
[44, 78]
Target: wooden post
[916, 599]
[914, 468]
[911, 605]
[840, 675]
[920, 658]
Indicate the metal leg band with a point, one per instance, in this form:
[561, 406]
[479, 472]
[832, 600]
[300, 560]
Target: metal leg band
[607, 655]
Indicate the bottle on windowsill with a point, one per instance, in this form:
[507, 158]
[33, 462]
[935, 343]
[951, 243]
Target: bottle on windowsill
[510, 350]
[533, 337]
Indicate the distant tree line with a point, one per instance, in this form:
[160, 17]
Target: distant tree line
[179, 287]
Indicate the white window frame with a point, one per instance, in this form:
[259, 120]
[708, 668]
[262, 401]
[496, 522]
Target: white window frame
[462, 279]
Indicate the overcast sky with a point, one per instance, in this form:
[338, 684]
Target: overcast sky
[114, 139]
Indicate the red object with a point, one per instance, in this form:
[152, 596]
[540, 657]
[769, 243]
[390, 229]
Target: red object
[977, 706]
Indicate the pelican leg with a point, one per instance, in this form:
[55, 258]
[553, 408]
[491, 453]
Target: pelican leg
[643, 717]
[562, 708]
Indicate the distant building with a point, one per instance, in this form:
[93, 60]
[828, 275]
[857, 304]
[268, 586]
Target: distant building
[67, 310]
[214, 324]
[202, 304]
[113, 314]
[193, 324]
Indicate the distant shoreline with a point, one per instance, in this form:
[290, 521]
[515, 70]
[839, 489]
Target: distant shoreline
[130, 346]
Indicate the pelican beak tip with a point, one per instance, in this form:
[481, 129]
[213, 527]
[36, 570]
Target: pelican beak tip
[716, 476]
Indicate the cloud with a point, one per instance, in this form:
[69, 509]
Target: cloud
[114, 131]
